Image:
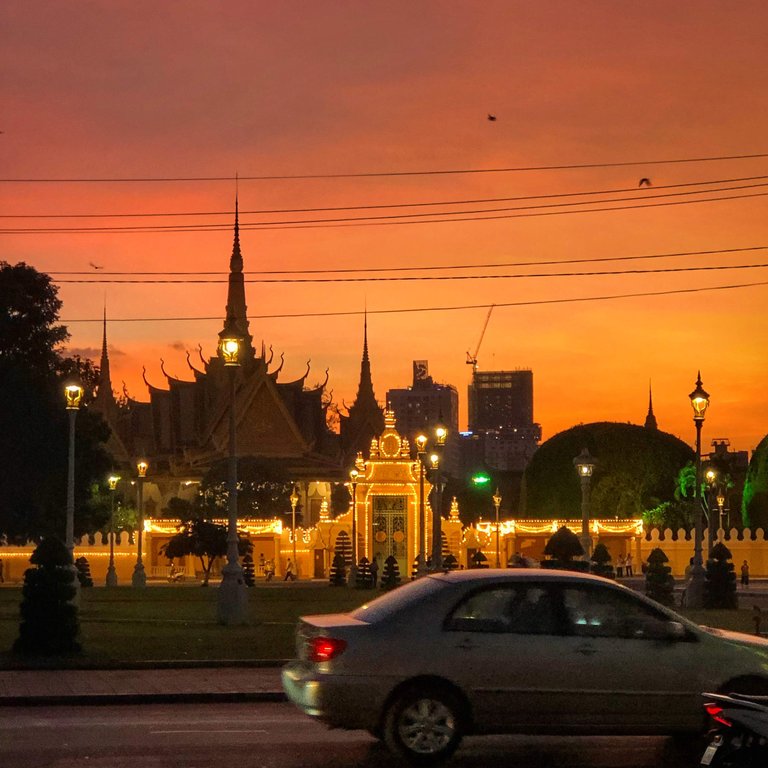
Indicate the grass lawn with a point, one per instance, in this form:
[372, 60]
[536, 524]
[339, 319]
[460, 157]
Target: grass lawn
[178, 622]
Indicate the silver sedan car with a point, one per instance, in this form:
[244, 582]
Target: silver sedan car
[513, 651]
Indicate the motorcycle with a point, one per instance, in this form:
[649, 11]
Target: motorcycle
[740, 736]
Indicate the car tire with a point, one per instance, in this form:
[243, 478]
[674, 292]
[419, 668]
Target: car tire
[424, 725]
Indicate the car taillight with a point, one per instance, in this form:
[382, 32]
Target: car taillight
[715, 712]
[325, 648]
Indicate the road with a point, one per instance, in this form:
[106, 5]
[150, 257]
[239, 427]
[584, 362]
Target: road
[270, 736]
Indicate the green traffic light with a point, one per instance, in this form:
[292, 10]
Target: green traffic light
[481, 479]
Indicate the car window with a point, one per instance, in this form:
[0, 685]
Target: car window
[519, 609]
[592, 612]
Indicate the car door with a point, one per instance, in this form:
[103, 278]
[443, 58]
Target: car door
[626, 669]
[502, 644]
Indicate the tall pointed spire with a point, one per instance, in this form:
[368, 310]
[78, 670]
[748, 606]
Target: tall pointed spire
[237, 312]
[365, 392]
[650, 419]
[105, 398]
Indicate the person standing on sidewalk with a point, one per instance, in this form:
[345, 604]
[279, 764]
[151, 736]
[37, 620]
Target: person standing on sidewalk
[290, 572]
[745, 575]
[628, 565]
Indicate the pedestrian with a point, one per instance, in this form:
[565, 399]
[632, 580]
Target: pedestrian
[374, 571]
[262, 564]
[745, 574]
[620, 566]
[628, 565]
[289, 571]
[269, 569]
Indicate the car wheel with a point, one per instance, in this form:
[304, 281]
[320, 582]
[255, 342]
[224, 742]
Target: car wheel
[424, 726]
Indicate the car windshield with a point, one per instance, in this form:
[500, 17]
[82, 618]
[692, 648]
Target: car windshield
[392, 602]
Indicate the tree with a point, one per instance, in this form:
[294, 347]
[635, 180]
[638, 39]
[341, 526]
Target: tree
[720, 579]
[263, 488]
[202, 539]
[659, 582]
[563, 546]
[49, 619]
[34, 424]
[390, 576]
[338, 573]
[601, 562]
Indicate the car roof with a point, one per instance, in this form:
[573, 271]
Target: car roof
[516, 574]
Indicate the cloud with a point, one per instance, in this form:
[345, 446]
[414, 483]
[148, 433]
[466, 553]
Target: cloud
[92, 353]
[178, 346]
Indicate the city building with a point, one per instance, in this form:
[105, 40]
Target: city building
[501, 425]
[420, 407]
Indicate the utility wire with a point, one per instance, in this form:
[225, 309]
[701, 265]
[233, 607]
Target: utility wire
[377, 206]
[378, 174]
[404, 310]
[404, 218]
[431, 268]
[416, 278]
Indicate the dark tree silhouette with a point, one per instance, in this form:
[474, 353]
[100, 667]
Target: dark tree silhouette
[249, 571]
[338, 572]
[659, 582]
[601, 562]
[720, 579]
[364, 576]
[563, 546]
[390, 577]
[478, 560]
[84, 572]
[49, 619]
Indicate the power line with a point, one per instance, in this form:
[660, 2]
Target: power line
[377, 206]
[379, 174]
[438, 267]
[415, 278]
[405, 218]
[404, 310]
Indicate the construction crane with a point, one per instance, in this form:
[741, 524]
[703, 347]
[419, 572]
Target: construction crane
[472, 359]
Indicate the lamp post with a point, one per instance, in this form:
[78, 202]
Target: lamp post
[139, 577]
[585, 466]
[421, 559]
[233, 597]
[710, 476]
[113, 480]
[694, 594]
[497, 504]
[294, 499]
[720, 504]
[353, 475]
[73, 394]
[441, 434]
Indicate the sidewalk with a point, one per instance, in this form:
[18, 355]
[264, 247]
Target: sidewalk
[137, 686]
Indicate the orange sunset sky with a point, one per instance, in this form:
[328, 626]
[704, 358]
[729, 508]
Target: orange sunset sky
[205, 90]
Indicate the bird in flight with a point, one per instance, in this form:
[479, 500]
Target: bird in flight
[95, 266]
[644, 182]
[491, 117]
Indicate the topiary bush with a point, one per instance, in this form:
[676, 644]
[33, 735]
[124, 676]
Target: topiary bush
[84, 572]
[338, 573]
[49, 618]
[601, 562]
[249, 571]
[364, 576]
[390, 577]
[478, 560]
[659, 582]
[563, 546]
[720, 580]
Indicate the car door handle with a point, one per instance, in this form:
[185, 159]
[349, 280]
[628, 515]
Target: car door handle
[466, 645]
[586, 650]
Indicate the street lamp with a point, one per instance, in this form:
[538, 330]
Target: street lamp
[421, 454]
[710, 476]
[497, 504]
[353, 475]
[720, 504]
[441, 434]
[233, 597]
[139, 578]
[695, 589]
[294, 499]
[73, 394]
[585, 466]
[113, 480]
